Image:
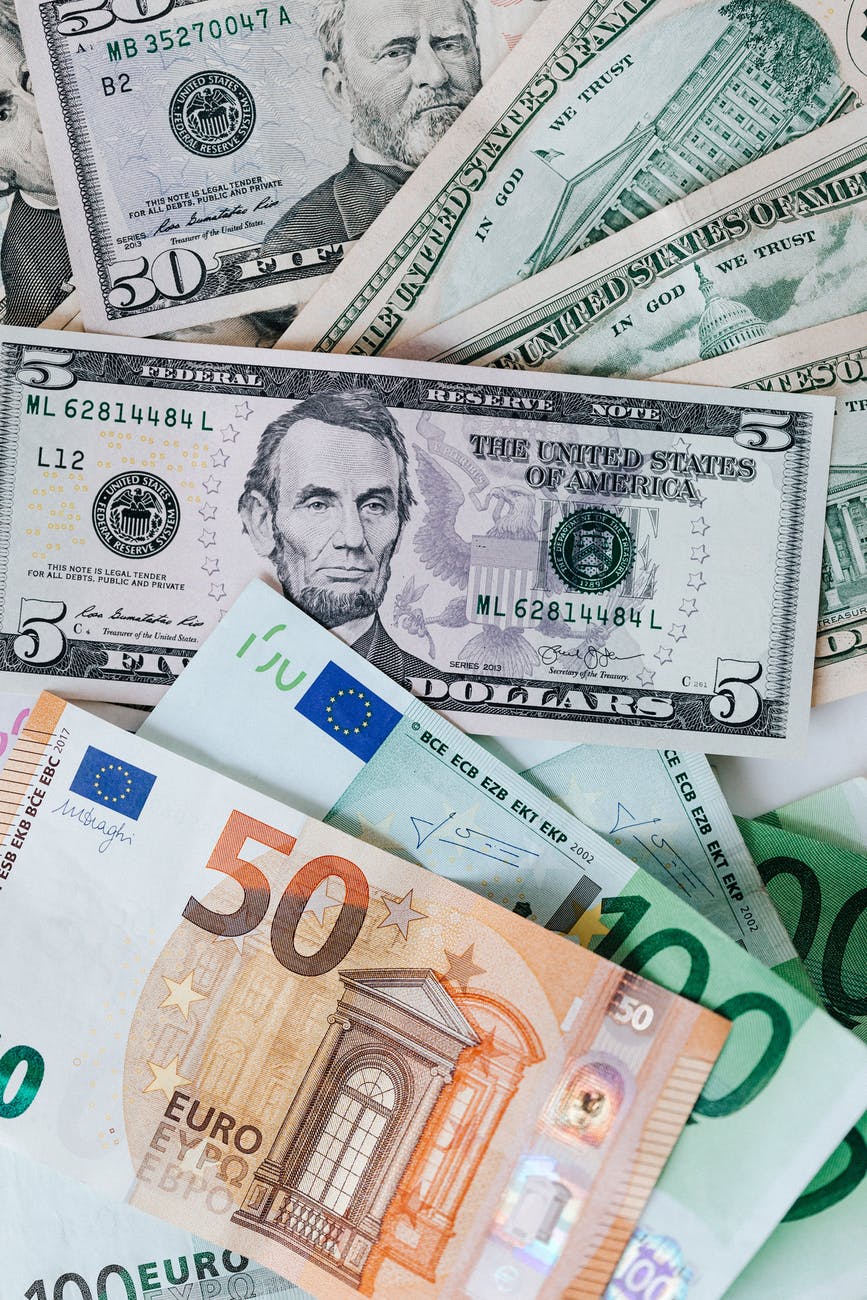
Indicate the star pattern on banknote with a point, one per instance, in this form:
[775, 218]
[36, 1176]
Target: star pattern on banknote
[699, 527]
[208, 512]
[589, 925]
[696, 581]
[682, 445]
[207, 537]
[218, 591]
[211, 484]
[181, 994]
[376, 833]
[320, 900]
[664, 654]
[699, 553]
[462, 968]
[230, 433]
[677, 631]
[219, 459]
[166, 1078]
[401, 913]
[211, 566]
[645, 677]
[689, 606]
[244, 411]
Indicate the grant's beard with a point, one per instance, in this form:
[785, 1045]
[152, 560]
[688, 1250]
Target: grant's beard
[329, 605]
[410, 136]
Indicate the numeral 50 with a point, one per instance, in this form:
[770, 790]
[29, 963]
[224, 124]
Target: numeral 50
[226, 858]
[77, 16]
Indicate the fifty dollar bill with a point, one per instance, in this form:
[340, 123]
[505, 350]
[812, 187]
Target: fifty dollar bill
[605, 560]
[590, 128]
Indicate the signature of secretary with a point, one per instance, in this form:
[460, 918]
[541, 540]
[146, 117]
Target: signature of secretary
[591, 657]
[485, 846]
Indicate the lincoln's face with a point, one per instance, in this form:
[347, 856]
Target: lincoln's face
[336, 524]
[23, 160]
[407, 70]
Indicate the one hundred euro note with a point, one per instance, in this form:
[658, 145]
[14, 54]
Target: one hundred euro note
[774, 248]
[433, 795]
[214, 158]
[217, 1056]
[829, 358]
[587, 559]
[813, 856]
[588, 130]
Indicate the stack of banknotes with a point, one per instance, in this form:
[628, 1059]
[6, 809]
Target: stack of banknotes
[419, 458]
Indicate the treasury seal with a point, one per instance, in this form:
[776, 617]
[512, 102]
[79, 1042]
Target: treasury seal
[212, 114]
[135, 515]
[592, 549]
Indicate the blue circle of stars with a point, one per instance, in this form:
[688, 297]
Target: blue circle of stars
[362, 700]
[121, 771]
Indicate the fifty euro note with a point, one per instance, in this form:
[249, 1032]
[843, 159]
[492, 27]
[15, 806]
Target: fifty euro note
[215, 1054]
[274, 701]
[600, 560]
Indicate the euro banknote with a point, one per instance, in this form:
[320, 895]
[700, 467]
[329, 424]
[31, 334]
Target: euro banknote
[558, 153]
[813, 855]
[773, 248]
[829, 358]
[221, 1059]
[602, 559]
[432, 794]
[215, 158]
[665, 811]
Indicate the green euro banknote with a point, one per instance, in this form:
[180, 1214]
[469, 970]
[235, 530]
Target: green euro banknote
[830, 358]
[555, 155]
[813, 857]
[665, 811]
[432, 794]
[193, 1039]
[776, 247]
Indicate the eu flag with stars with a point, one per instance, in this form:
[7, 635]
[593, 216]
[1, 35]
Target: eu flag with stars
[348, 712]
[115, 785]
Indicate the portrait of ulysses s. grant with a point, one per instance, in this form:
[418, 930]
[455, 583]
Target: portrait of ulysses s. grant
[398, 74]
[325, 501]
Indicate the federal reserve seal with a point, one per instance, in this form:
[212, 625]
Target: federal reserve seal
[212, 114]
[136, 515]
[592, 549]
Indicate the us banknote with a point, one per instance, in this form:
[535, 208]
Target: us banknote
[813, 855]
[556, 155]
[567, 558]
[774, 248]
[214, 157]
[829, 358]
[288, 1087]
[665, 811]
[431, 794]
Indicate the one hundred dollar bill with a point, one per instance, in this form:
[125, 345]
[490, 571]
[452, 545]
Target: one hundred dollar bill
[595, 560]
[774, 248]
[813, 855]
[431, 794]
[665, 811]
[286, 1086]
[589, 130]
[215, 157]
[829, 358]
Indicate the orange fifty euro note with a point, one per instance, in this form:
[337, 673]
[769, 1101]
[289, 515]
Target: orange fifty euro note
[324, 1057]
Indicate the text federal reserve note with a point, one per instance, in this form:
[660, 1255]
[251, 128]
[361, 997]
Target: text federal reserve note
[287, 1087]
[777, 246]
[214, 157]
[831, 359]
[433, 795]
[812, 855]
[555, 155]
[602, 560]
